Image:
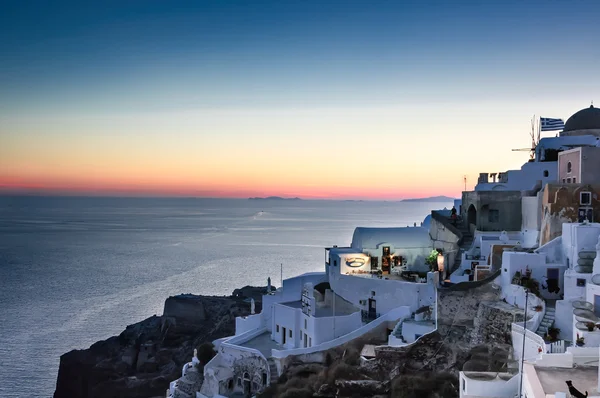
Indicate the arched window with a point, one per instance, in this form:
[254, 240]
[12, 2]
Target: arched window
[569, 167]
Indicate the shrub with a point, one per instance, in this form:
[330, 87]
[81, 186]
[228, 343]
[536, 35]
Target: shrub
[206, 352]
[424, 386]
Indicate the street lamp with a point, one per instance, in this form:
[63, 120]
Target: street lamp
[440, 262]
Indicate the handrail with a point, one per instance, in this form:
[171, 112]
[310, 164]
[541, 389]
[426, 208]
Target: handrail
[435, 215]
[472, 285]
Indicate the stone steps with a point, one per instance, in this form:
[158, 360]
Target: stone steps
[547, 321]
[273, 371]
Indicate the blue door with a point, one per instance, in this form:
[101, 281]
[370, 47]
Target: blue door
[552, 282]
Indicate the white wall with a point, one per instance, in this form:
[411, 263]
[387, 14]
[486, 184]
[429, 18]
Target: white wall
[412, 330]
[536, 262]
[579, 237]
[389, 294]
[246, 323]
[288, 318]
[525, 178]
[327, 328]
[488, 388]
[531, 213]
[534, 344]
[392, 316]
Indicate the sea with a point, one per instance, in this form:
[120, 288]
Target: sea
[75, 270]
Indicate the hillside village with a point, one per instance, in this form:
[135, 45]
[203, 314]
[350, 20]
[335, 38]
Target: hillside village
[511, 274]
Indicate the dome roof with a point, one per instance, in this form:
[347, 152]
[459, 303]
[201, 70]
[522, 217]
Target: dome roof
[585, 119]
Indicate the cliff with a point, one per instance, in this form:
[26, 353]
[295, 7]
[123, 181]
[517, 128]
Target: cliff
[148, 355]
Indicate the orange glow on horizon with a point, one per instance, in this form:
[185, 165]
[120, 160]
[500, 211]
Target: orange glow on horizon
[128, 186]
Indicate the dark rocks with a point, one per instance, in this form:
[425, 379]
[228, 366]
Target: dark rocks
[148, 355]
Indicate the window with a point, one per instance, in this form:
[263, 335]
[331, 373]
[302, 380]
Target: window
[264, 379]
[585, 198]
[563, 180]
[335, 263]
[305, 324]
[464, 385]
[568, 180]
[230, 384]
[569, 167]
[290, 333]
[277, 328]
[386, 250]
[546, 173]
[574, 180]
[494, 215]
[581, 282]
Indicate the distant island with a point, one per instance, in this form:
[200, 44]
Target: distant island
[274, 198]
[430, 199]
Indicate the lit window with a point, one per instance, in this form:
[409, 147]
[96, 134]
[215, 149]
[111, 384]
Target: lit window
[569, 168]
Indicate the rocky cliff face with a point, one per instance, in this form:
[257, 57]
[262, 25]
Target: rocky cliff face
[146, 356]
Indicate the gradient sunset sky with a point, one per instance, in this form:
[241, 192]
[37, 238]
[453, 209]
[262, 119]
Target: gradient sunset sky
[336, 99]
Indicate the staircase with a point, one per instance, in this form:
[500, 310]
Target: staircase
[465, 244]
[547, 321]
[398, 330]
[273, 371]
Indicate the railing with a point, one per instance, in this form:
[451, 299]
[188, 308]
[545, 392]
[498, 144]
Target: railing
[445, 221]
[472, 285]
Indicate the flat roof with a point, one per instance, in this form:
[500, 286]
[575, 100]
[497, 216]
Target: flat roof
[321, 312]
[584, 378]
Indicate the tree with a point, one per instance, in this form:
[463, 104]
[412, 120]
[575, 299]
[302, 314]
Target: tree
[206, 352]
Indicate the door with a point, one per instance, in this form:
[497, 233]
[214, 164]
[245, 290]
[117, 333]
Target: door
[305, 340]
[374, 263]
[372, 308]
[597, 305]
[552, 275]
[385, 264]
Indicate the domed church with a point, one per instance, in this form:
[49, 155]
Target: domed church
[584, 122]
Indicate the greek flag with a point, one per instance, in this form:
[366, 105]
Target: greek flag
[549, 124]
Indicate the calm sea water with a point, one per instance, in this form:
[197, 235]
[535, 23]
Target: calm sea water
[77, 270]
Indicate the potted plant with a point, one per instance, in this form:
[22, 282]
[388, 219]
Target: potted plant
[580, 341]
[590, 326]
[517, 278]
[552, 335]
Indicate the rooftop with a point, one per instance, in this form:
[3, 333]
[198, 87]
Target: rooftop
[323, 311]
[263, 343]
[583, 378]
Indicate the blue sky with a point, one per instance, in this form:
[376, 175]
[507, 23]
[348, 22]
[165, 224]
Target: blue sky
[76, 62]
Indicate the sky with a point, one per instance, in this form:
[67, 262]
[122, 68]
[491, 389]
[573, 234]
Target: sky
[317, 99]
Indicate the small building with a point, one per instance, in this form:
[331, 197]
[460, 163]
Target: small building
[567, 203]
[579, 165]
[492, 210]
